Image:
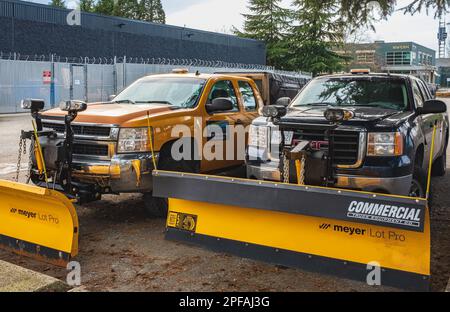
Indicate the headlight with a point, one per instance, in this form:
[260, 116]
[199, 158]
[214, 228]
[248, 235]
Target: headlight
[258, 136]
[385, 144]
[133, 140]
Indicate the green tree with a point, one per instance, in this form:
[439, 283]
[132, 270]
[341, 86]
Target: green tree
[267, 21]
[151, 11]
[361, 13]
[364, 12]
[120, 8]
[440, 7]
[105, 7]
[316, 30]
[145, 10]
[58, 4]
[87, 5]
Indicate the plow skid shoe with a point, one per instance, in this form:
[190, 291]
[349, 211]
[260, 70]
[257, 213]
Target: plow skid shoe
[38, 223]
[368, 237]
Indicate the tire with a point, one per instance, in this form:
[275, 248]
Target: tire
[440, 165]
[155, 207]
[158, 207]
[419, 183]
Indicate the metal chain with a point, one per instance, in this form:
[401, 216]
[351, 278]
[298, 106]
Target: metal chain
[286, 169]
[302, 172]
[19, 157]
[30, 160]
[286, 174]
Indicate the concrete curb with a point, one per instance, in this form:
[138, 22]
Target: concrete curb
[17, 279]
[79, 289]
[12, 115]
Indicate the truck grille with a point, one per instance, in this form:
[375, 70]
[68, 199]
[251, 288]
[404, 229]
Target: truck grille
[80, 129]
[346, 144]
[90, 150]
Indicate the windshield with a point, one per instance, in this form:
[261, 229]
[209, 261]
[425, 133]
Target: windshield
[176, 92]
[373, 92]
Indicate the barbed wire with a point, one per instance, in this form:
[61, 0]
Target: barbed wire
[148, 61]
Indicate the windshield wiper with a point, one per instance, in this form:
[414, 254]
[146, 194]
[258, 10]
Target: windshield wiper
[155, 102]
[318, 104]
[124, 101]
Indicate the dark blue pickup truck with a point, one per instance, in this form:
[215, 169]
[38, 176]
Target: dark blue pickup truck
[381, 144]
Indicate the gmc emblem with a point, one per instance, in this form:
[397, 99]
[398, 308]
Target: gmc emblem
[317, 145]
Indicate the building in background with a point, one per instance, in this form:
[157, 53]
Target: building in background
[32, 29]
[443, 66]
[393, 57]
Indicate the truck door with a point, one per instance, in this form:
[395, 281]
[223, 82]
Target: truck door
[223, 120]
[427, 122]
[437, 119]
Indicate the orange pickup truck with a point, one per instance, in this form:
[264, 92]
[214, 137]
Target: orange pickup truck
[112, 150]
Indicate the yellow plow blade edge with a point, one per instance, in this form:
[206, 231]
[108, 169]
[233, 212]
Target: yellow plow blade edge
[38, 223]
[345, 233]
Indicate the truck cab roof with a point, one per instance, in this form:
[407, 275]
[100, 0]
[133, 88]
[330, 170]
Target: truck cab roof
[204, 76]
[368, 75]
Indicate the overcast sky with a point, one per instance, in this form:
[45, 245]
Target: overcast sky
[220, 15]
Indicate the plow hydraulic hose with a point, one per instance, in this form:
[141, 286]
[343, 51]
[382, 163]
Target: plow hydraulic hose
[39, 156]
[150, 137]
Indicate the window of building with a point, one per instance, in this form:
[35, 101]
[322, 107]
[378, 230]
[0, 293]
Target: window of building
[425, 59]
[365, 57]
[398, 58]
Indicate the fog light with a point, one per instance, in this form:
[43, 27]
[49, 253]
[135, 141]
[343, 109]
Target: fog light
[73, 106]
[336, 114]
[33, 104]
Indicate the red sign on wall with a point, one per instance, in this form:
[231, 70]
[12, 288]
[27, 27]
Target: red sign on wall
[46, 76]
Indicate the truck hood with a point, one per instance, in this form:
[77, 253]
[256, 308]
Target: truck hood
[109, 113]
[362, 115]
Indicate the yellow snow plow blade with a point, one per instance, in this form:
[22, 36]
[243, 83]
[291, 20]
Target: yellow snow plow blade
[37, 222]
[345, 233]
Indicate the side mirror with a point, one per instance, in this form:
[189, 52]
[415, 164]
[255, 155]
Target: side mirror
[111, 97]
[284, 101]
[219, 105]
[432, 107]
[33, 104]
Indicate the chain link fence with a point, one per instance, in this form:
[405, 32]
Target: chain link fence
[92, 79]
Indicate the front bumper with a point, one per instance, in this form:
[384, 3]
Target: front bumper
[127, 173]
[391, 185]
